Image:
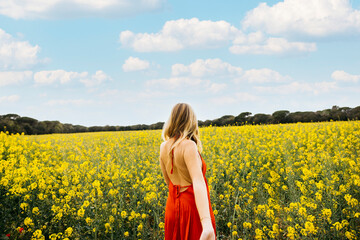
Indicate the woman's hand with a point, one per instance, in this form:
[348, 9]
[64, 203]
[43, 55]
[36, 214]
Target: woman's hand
[208, 230]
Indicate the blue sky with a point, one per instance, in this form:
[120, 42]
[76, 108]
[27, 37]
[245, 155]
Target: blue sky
[124, 62]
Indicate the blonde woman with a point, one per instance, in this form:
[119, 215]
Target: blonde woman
[188, 212]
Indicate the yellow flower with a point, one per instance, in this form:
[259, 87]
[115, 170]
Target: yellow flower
[35, 211]
[259, 234]
[86, 204]
[28, 222]
[24, 206]
[37, 235]
[161, 225]
[291, 233]
[310, 228]
[126, 234]
[123, 214]
[350, 235]
[68, 232]
[88, 220]
[107, 227]
[81, 212]
[247, 225]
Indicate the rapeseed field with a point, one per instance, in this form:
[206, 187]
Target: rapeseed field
[288, 181]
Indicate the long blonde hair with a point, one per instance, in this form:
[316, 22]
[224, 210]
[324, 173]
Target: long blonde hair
[182, 124]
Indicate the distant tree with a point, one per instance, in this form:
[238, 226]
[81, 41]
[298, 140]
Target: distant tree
[260, 118]
[354, 113]
[14, 123]
[303, 117]
[158, 125]
[242, 117]
[280, 116]
[338, 113]
[324, 115]
[224, 120]
[207, 123]
[28, 120]
[10, 116]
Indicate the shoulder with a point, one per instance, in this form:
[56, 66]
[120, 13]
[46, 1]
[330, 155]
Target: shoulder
[189, 145]
[162, 146]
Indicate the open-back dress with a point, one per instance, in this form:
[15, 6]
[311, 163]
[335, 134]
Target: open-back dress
[182, 221]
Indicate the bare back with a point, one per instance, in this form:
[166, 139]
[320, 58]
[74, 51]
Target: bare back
[180, 175]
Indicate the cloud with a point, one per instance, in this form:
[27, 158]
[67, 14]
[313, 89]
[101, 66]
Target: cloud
[263, 75]
[192, 33]
[62, 77]
[135, 64]
[312, 18]
[217, 87]
[180, 34]
[45, 9]
[299, 87]
[9, 99]
[10, 78]
[199, 73]
[342, 76]
[204, 68]
[205, 73]
[256, 43]
[95, 79]
[15, 54]
[76, 102]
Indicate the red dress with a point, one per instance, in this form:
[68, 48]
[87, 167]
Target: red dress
[182, 221]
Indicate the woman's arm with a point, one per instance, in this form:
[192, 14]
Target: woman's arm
[162, 166]
[193, 163]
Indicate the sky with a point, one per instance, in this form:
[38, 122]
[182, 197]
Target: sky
[127, 62]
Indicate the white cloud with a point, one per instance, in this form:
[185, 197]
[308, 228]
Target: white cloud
[193, 33]
[217, 87]
[299, 87]
[15, 54]
[96, 79]
[9, 78]
[207, 67]
[135, 64]
[44, 9]
[76, 102]
[62, 77]
[9, 99]
[199, 74]
[261, 45]
[182, 33]
[312, 17]
[206, 73]
[343, 76]
[263, 75]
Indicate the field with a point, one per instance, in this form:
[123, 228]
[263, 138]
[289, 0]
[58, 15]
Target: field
[289, 181]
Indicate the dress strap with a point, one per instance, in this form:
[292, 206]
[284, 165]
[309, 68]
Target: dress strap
[172, 161]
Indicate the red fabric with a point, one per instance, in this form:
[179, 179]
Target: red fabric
[182, 221]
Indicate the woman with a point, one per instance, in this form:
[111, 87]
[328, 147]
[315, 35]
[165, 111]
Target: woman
[188, 212]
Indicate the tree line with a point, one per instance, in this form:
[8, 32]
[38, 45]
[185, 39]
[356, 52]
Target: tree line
[14, 123]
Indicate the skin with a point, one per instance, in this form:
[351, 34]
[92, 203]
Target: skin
[194, 165]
